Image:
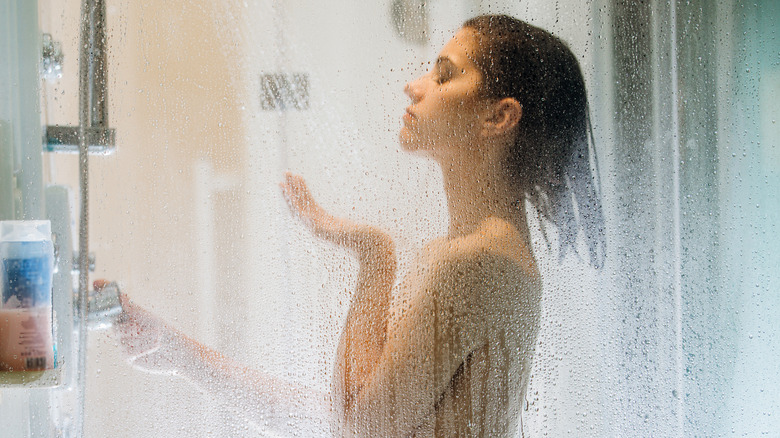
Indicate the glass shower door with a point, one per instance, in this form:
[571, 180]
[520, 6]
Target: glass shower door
[214, 102]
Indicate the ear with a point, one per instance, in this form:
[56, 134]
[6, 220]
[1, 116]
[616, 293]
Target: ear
[503, 116]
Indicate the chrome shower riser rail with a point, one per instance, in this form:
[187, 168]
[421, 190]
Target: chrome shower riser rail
[93, 114]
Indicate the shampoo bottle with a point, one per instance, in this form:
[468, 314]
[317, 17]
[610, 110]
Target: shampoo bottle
[26, 263]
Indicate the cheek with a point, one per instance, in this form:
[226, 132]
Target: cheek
[448, 123]
[433, 134]
[458, 126]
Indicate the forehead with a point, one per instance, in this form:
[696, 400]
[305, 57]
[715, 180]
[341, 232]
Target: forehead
[461, 48]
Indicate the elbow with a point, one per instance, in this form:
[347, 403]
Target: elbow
[376, 242]
[344, 419]
[341, 406]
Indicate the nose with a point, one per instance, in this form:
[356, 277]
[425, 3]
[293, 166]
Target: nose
[413, 90]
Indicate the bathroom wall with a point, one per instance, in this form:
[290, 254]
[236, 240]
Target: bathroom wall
[174, 101]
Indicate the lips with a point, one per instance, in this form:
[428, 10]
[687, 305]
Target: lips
[409, 115]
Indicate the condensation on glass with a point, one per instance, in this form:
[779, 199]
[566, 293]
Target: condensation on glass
[211, 104]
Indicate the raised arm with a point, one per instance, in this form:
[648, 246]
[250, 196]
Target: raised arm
[388, 381]
[364, 334]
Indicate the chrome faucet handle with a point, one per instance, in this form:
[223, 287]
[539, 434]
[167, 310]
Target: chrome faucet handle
[104, 306]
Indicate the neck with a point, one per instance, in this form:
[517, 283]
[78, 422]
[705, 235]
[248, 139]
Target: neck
[478, 190]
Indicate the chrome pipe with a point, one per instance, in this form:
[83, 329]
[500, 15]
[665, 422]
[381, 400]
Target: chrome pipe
[92, 108]
[97, 65]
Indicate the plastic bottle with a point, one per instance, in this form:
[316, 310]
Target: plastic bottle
[26, 264]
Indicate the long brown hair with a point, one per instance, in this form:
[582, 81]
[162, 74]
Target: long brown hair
[550, 160]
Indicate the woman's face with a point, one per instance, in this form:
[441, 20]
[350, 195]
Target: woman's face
[446, 110]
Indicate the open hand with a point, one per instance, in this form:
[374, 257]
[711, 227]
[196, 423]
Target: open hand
[303, 205]
[366, 240]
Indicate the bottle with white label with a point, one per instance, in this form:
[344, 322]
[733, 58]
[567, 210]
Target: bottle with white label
[26, 264]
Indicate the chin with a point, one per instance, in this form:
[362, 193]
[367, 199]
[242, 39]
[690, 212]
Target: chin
[407, 147]
[413, 143]
[406, 141]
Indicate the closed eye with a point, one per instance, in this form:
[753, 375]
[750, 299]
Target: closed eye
[443, 71]
[443, 76]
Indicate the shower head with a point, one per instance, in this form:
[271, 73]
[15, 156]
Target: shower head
[410, 20]
[284, 91]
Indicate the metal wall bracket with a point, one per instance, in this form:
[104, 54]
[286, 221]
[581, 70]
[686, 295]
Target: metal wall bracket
[93, 89]
[101, 141]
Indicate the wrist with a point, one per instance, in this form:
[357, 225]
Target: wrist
[371, 240]
[182, 351]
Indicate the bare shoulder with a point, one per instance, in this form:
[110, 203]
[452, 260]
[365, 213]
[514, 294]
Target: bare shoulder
[493, 258]
[494, 241]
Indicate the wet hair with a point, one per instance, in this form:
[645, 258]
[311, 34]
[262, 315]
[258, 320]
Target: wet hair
[550, 159]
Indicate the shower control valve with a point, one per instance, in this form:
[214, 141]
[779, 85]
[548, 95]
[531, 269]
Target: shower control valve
[90, 257]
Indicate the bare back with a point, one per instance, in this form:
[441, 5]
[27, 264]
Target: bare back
[474, 302]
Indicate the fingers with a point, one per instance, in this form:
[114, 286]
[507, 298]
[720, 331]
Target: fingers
[138, 329]
[295, 188]
[289, 191]
[134, 319]
[300, 199]
[130, 311]
[124, 301]
[302, 204]
[293, 183]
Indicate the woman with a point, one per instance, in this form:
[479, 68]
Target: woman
[447, 351]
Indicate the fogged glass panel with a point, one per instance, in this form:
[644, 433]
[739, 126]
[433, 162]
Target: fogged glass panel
[269, 152]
